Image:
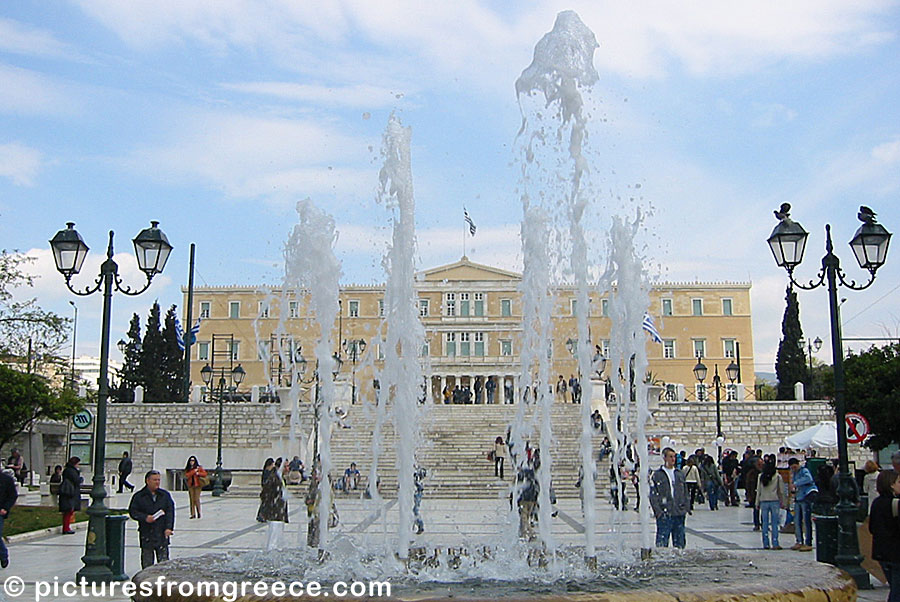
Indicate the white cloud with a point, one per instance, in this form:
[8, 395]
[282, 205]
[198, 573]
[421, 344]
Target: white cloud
[18, 38]
[359, 96]
[19, 163]
[249, 157]
[772, 115]
[889, 152]
[30, 93]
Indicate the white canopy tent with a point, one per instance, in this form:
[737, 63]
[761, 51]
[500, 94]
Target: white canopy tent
[823, 434]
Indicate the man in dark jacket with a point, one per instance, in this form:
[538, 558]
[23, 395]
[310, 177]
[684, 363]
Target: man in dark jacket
[152, 507]
[125, 468]
[8, 495]
[668, 498]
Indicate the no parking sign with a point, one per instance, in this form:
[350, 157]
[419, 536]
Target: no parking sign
[857, 427]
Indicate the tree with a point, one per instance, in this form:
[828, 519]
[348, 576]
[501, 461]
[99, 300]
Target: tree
[151, 357]
[172, 363]
[872, 380]
[24, 322]
[130, 375]
[25, 398]
[790, 363]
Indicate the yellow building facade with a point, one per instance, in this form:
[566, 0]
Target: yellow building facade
[472, 318]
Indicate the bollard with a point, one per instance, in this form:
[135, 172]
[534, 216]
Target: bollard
[826, 538]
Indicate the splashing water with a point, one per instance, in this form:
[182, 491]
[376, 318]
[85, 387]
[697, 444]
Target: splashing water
[310, 263]
[402, 375]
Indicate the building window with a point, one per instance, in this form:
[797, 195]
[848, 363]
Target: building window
[506, 348]
[731, 392]
[727, 307]
[381, 308]
[293, 309]
[728, 345]
[573, 306]
[353, 309]
[667, 307]
[604, 308]
[699, 348]
[450, 339]
[450, 304]
[423, 308]
[262, 351]
[263, 309]
[697, 307]
[671, 392]
[235, 350]
[669, 349]
[426, 349]
[604, 345]
[204, 310]
[479, 304]
[234, 309]
[505, 308]
[464, 304]
[479, 344]
[464, 343]
[203, 351]
[702, 394]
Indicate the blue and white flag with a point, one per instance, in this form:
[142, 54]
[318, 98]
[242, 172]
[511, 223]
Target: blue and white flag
[179, 333]
[650, 327]
[469, 221]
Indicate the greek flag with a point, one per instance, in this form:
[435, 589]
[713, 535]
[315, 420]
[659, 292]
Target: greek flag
[469, 221]
[650, 327]
[179, 332]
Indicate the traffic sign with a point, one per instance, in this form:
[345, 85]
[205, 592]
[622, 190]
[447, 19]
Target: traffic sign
[82, 419]
[857, 427]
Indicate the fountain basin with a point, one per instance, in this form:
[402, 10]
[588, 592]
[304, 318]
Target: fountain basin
[453, 573]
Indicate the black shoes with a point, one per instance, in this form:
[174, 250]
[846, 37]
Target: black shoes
[4, 563]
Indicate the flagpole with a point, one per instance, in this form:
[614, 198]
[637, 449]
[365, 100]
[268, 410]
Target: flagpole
[188, 335]
[465, 226]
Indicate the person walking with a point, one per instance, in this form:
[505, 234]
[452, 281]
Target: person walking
[753, 472]
[8, 495]
[870, 481]
[499, 456]
[154, 510]
[273, 508]
[125, 468]
[692, 480]
[196, 478]
[884, 525]
[419, 481]
[668, 498]
[803, 486]
[70, 494]
[17, 464]
[712, 481]
[770, 499]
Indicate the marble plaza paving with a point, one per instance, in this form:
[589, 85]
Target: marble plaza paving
[228, 523]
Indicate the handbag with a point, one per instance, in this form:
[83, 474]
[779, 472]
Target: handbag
[203, 481]
[67, 488]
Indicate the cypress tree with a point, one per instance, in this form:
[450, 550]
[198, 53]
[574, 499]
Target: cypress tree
[790, 363]
[129, 376]
[151, 358]
[172, 365]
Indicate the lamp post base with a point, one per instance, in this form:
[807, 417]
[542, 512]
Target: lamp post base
[218, 486]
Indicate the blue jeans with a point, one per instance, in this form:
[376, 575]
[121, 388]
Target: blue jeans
[712, 494]
[4, 553]
[803, 523]
[771, 516]
[892, 574]
[670, 525]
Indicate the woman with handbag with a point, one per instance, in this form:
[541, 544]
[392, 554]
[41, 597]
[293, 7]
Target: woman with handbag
[70, 494]
[196, 478]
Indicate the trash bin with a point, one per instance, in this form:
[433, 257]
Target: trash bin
[826, 538]
[115, 545]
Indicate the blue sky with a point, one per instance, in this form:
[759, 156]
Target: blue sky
[216, 117]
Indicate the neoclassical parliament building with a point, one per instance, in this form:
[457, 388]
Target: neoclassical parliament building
[472, 316]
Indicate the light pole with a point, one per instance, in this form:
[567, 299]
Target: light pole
[237, 377]
[354, 348]
[809, 348]
[302, 363]
[731, 372]
[870, 246]
[152, 249]
[74, 331]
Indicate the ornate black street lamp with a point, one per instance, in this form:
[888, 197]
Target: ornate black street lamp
[700, 372]
[354, 349]
[301, 365]
[870, 246]
[812, 346]
[152, 249]
[237, 377]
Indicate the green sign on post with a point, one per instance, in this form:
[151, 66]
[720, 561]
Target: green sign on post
[82, 419]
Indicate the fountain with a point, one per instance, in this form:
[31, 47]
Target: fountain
[554, 247]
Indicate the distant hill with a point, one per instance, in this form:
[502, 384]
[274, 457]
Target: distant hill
[768, 378]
